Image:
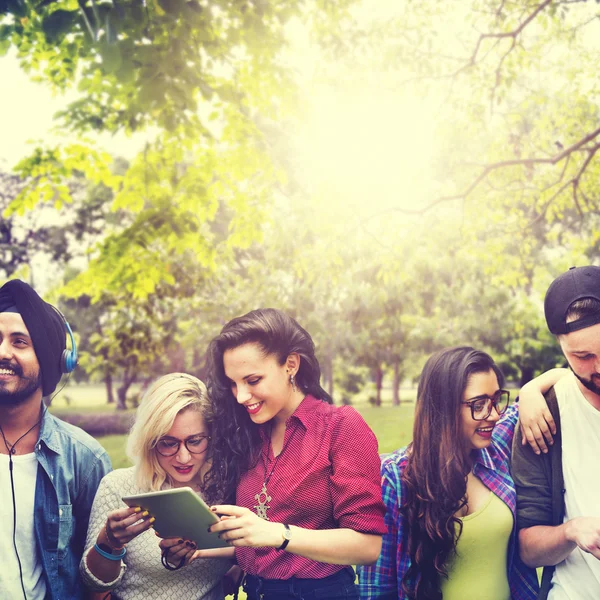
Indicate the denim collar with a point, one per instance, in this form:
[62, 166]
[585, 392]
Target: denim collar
[48, 433]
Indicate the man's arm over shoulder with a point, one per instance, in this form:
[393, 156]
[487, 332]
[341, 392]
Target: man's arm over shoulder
[543, 539]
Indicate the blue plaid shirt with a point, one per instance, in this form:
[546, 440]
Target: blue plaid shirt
[384, 578]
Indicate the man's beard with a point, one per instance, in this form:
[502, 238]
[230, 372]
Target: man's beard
[20, 395]
[588, 383]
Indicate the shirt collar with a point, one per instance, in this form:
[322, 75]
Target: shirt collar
[302, 414]
[304, 411]
[484, 458]
[48, 431]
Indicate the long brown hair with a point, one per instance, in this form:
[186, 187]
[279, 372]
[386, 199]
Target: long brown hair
[236, 441]
[437, 467]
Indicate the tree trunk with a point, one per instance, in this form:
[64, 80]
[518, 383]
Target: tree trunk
[128, 379]
[526, 375]
[108, 384]
[378, 384]
[396, 384]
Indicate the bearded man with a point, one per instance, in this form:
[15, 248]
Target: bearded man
[557, 492]
[49, 470]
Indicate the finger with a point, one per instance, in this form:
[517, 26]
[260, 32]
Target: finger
[168, 543]
[226, 525]
[539, 438]
[135, 530]
[132, 519]
[123, 513]
[231, 535]
[238, 543]
[229, 509]
[550, 420]
[531, 440]
[190, 553]
[545, 429]
[176, 553]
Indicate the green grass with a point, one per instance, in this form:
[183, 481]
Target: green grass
[115, 446]
[84, 398]
[391, 424]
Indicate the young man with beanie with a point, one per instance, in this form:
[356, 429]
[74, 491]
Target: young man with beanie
[49, 470]
[558, 493]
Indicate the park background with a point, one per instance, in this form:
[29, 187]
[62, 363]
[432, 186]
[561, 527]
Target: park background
[400, 176]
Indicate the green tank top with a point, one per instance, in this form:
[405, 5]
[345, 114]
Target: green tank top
[478, 570]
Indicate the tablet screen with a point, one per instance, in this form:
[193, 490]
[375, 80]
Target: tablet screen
[180, 512]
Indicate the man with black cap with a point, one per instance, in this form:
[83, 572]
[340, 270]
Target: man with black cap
[49, 470]
[558, 493]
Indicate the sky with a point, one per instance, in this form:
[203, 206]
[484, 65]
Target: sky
[27, 109]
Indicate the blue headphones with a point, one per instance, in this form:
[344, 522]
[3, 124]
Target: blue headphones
[68, 360]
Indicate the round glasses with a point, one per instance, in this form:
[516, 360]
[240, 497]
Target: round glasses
[196, 444]
[481, 406]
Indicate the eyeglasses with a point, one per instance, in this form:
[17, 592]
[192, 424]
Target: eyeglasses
[481, 406]
[196, 444]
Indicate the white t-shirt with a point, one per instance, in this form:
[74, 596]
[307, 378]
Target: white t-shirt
[578, 576]
[24, 476]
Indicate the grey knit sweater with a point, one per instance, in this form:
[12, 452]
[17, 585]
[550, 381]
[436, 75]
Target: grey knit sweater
[142, 575]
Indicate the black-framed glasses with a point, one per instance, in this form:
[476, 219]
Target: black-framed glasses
[481, 406]
[195, 444]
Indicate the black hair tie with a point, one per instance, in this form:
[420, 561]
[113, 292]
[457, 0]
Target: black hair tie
[163, 559]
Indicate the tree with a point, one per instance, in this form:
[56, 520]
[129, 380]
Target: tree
[516, 137]
[205, 73]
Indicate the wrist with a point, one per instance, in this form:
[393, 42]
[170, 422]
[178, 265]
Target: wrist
[286, 536]
[108, 538]
[569, 531]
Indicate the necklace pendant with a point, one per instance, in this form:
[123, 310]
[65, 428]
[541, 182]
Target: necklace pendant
[262, 498]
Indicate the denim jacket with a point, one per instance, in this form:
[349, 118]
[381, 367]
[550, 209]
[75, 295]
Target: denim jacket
[70, 466]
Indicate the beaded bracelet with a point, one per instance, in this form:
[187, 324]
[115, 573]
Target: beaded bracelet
[108, 555]
[112, 540]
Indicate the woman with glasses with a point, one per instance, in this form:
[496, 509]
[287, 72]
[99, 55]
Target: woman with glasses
[170, 446]
[450, 497]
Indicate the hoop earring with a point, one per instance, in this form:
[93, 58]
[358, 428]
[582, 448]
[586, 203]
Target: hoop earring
[293, 382]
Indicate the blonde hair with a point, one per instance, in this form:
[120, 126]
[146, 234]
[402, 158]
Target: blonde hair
[161, 403]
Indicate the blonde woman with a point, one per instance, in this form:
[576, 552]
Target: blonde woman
[170, 446]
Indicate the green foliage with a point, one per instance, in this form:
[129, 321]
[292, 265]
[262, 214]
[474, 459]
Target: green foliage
[204, 74]
[47, 175]
[157, 61]
[216, 215]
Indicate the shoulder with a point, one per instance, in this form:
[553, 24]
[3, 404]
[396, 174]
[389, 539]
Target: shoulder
[393, 464]
[346, 417]
[112, 488]
[392, 485]
[70, 437]
[121, 480]
[552, 398]
[329, 416]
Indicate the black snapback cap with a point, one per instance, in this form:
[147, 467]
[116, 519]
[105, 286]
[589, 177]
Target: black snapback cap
[576, 284]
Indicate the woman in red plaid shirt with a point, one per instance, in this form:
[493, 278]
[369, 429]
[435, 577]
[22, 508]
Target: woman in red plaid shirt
[450, 497]
[305, 474]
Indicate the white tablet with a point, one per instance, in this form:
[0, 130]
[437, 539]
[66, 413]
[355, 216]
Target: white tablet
[180, 512]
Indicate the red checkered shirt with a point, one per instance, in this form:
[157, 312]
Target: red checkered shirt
[327, 477]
